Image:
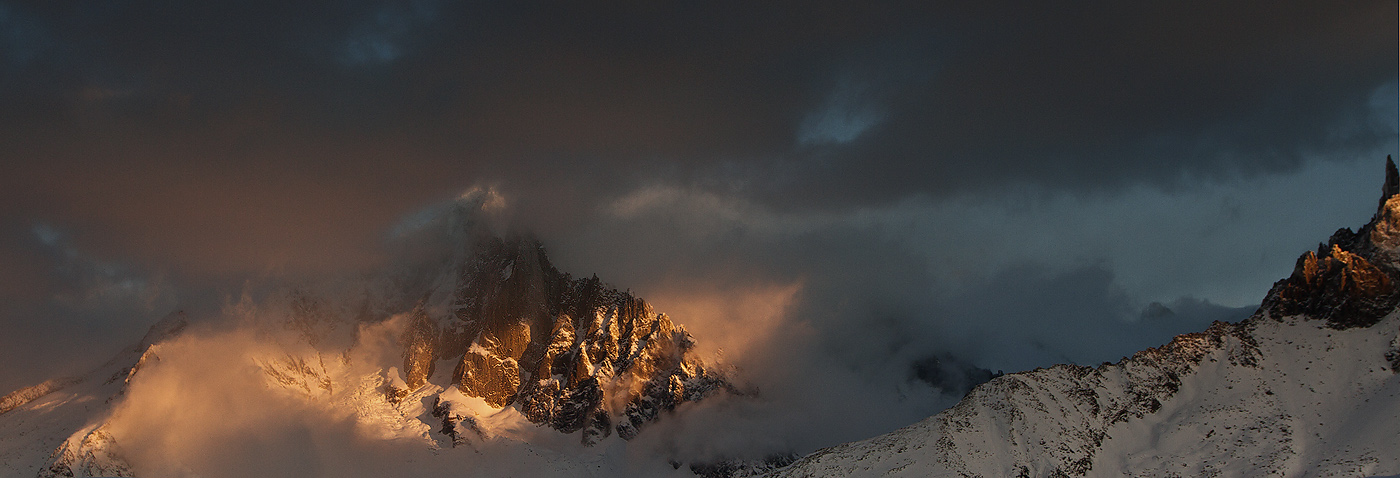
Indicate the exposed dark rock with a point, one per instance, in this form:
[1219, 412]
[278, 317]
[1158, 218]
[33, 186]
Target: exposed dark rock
[566, 351]
[626, 429]
[87, 453]
[742, 468]
[458, 425]
[1384, 229]
[599, 427]
[25, 395]
[1351, 280]
[577, 406]
[1392, 181]
[395, 394]
[1337, 286]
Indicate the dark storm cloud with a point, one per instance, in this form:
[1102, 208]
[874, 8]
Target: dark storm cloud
[818, 103]
[1104, 94]
[1027, 316]
[230, 123]
[860, 150]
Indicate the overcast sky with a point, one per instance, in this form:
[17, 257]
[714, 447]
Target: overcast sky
[1010, 183]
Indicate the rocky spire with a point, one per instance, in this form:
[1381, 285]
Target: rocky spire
[1392, 182]
[1352, 280]
[1384, 229]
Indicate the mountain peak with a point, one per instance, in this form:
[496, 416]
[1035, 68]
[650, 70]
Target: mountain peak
[574, 354]
[1392, 181]
[1384, 228]
[1351, 280]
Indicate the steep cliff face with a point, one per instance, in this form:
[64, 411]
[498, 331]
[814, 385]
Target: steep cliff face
[573, 354]
[1308, 386]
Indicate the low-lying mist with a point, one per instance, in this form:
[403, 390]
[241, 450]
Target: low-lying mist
[290, 379]
[827, 330]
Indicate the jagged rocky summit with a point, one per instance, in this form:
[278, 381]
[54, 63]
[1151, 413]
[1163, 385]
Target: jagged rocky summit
[1351, 280]
[1307, 386]
[562, 350]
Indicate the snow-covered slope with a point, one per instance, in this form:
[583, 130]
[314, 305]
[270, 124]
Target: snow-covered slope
[1308, 386]
[1281, 398]
[56, 428]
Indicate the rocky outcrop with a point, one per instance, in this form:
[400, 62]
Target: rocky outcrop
[490, 369]
[25, 395]
[573, 354]
[1337, 286]
[1385, 229]
[420, 349]
[90, 452]
[1351, 280]
[458, 422]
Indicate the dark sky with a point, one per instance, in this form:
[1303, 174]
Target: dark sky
[1010, 183]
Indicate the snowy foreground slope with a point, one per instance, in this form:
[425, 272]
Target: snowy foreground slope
[1301, 399]
[53, 428]
[1308, 386]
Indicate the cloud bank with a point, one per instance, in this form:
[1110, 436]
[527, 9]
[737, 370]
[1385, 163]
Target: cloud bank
[828, 192]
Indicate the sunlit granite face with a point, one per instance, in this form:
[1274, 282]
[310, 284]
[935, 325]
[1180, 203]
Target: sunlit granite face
[569, 353]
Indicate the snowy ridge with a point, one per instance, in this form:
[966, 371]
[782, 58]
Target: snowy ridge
[91, 451]
[1287, 397]
[1307, 386]
[25, 395]
[56, 428]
